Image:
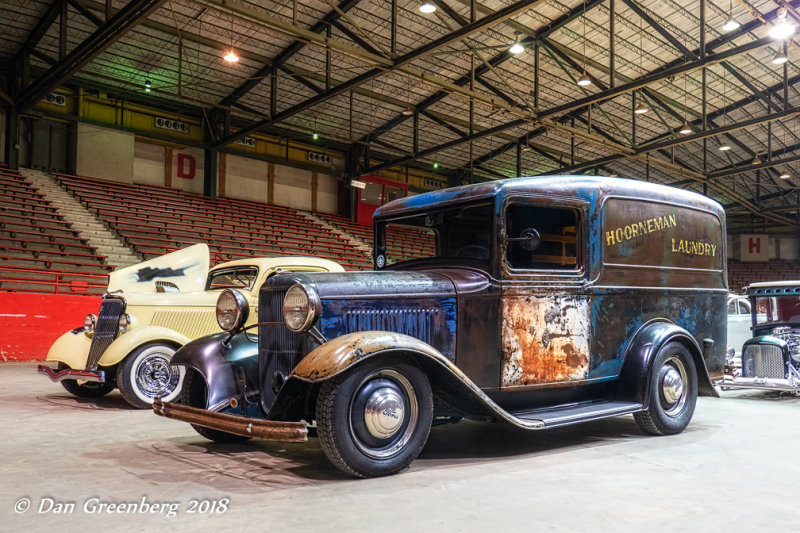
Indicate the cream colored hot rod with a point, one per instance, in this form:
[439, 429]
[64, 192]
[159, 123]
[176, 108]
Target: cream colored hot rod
[150, 310]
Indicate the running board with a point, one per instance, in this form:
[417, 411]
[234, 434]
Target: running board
[564, 416]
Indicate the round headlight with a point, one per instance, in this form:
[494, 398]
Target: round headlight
[299, 308]
[124, 322]
[232, 309]
[89, 322]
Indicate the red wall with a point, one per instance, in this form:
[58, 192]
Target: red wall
[29, 323]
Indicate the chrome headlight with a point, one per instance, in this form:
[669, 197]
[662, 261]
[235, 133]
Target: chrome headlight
[124, 322]
[232, 309]
[89, 323]
[300, 307]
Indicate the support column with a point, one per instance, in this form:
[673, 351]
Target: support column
[271, 183]
[223, 172]
[210, 159]
[168, 167]
[12, 135]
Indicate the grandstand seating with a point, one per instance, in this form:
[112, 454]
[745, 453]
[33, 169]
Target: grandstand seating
[39, 251]
[155, 220]
[403, 244]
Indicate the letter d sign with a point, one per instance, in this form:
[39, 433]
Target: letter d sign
[186, 166]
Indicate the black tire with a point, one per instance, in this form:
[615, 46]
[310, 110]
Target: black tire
[145, 374]
[87, 389]
[381, 443]
[673, 391]
[194, 394]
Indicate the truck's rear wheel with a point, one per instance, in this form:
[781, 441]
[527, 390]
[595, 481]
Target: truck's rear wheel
[375, 419]
[673, 391]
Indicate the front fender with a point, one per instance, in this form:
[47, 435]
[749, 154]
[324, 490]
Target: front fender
[634, 381]
[215, 360]
[132, 339]
[450, 384]
[71, 348]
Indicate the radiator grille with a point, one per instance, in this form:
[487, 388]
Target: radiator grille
[417, 323]
[106, 330]
[279, 348]
[763, 361]
[189, 322]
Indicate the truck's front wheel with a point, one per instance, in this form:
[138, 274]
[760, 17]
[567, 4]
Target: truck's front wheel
[375, 419]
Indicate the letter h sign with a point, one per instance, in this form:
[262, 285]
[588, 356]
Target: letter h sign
[754, 248]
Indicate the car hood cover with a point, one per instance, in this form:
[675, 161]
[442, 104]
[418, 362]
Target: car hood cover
[187, 269]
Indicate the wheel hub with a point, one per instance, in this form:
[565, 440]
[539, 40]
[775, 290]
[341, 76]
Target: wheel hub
[384, 412]
[672, 385]
[673, 391]
[153, 376]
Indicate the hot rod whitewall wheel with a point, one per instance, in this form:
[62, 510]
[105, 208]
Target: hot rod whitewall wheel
[87, 389]
[673, 391]
[146, 373]
[375, 419]
[194, 395]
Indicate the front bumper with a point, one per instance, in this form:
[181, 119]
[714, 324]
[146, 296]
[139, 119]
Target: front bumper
[777, 384]
[237, 425]
[83, 375]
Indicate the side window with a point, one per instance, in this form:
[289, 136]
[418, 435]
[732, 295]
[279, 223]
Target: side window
[732, 307]
[557, 231]
[744, 307]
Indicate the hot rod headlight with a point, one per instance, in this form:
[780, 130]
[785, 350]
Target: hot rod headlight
[232, 309]
[300, 307]
[124, 322]
[89, 323]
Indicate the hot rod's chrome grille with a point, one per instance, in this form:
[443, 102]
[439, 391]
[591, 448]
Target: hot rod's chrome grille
[279, 348]
[763, 361]
[106, 329]
[417, 323]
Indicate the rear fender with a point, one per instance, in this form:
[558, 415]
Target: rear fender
[218, 363]
[634, 382]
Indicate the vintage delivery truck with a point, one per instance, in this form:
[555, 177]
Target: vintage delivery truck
[538, 302]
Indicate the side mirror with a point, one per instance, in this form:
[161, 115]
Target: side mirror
[529, 239]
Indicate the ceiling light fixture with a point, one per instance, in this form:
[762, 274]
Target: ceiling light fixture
[517, 48]
[730, 24]
[785, 176]
[407, 112]
[584, 80]
[757, 159]
[427, 7]
[781, 27]
[724, 147]
[641, 107]
[435, 164]
[686, 129]
[147, 86]
[782, 55]
[231, 56]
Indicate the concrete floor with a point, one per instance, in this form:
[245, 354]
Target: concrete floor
[734, 469]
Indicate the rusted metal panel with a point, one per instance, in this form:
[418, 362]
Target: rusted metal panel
[545, 340]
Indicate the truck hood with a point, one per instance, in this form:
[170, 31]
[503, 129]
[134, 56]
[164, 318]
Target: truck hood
[358, 285]
[187, 269]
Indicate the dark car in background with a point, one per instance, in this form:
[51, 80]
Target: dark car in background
[771, 359]
[538, 302]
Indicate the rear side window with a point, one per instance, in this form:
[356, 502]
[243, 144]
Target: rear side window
[557, 230]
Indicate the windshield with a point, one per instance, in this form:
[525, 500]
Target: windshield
[778, 309]
[240, 277]
[457, 232]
